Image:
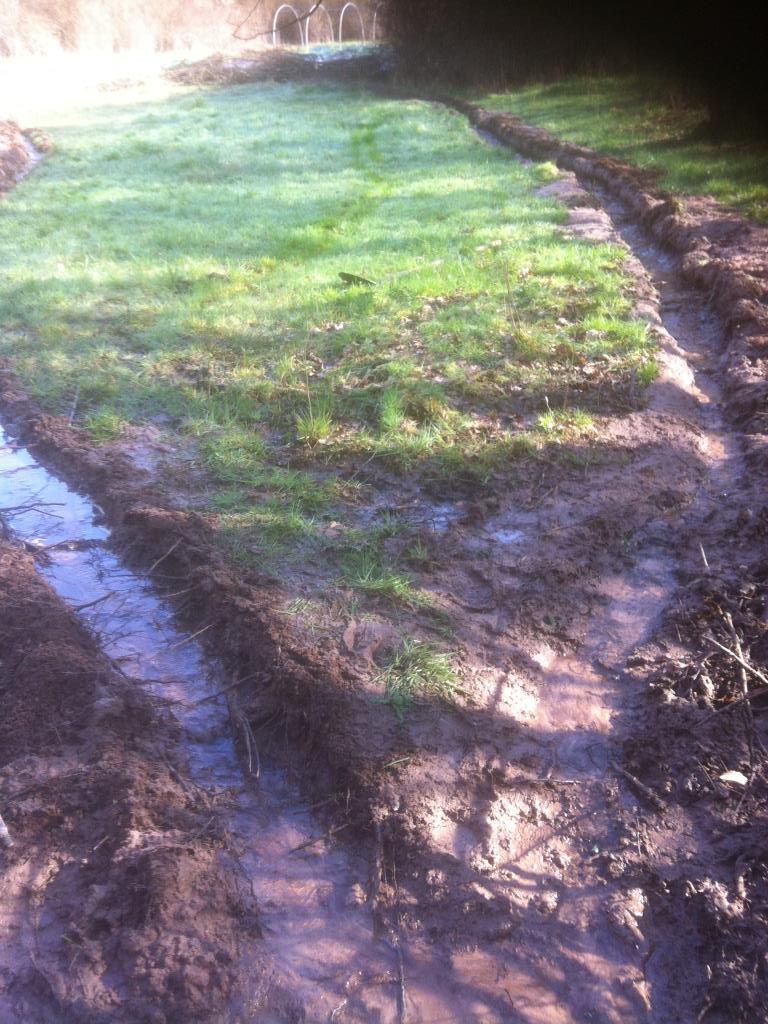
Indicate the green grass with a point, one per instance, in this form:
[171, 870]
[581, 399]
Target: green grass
[647, 121]
[367, 571]
[183, 259]
[418, 671]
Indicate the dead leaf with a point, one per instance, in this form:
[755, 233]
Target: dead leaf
[735, 778]
[349, 635]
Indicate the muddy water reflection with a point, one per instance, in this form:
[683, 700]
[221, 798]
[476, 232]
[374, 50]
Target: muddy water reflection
[317, 928]
[317, 932]
[579, 695]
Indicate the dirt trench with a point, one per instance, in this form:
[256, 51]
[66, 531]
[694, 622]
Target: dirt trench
[557, 847]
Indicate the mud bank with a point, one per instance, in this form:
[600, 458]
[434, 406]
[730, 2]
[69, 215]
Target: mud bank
[721, 254]
[265, 847]
[693, 726]
[117, 900]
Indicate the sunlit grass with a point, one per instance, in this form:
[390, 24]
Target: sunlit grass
[418, 671]
[646, 120]
[365, 570]
[196, 260]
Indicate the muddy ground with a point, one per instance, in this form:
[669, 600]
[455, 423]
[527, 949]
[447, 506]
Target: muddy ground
[119, 898]
[580, 837]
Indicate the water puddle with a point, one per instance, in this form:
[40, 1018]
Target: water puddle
[438, 517]
[578, 694]
[317, 932]
[506, 535]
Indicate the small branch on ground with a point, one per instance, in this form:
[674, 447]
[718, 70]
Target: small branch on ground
[645, 791]
[318, 839]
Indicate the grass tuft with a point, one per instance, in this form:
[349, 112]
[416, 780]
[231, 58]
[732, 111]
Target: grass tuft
[417, 671]
[366, 571]
[315, 424]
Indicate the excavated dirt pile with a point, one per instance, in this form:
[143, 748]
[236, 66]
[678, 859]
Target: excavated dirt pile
[281, 66]
[15, 157]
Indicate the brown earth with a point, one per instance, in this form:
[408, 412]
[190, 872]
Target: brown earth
[560, 839]
[118, 865]
[15, 157]
[277, 65]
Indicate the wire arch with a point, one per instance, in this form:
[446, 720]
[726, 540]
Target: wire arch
[376, 10]
[298, 21]
[308, 22]
[344, 10]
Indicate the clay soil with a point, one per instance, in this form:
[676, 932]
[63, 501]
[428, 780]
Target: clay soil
[119, 900]
[566, 842]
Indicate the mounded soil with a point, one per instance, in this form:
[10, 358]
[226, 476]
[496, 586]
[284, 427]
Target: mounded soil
[15, 157]
[117, 864]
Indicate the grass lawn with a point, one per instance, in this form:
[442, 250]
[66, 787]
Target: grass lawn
[645, 120]
[181, 262]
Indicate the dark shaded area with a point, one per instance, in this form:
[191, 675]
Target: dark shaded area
[716, 57]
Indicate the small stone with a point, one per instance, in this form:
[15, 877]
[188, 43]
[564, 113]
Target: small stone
[546, 902]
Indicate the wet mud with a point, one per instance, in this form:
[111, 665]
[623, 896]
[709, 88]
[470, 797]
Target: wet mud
[214, 819]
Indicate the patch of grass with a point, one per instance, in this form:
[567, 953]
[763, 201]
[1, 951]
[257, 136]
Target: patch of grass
[235, 456]
[366, 570]
[547, 171]
[266, 531]
[418, 671]
[569, 422]
[183, 258]
[418, 554]
[104, 426]
[646, 120]
[315, 424]
[647, 373]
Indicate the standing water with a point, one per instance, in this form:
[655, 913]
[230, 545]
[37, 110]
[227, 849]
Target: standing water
[317, 927]
[303, 897]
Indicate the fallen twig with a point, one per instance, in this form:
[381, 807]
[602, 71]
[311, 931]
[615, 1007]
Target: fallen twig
[319, 839]
[38, 506]
[189, 639]
[5, 835]
[733, 704]
[223, 690]
[73, 409]
[250, 745]
[744, 667]
[644, 791]
[745, 664]
[402, 1008]
[96, 600]
[162, 558]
